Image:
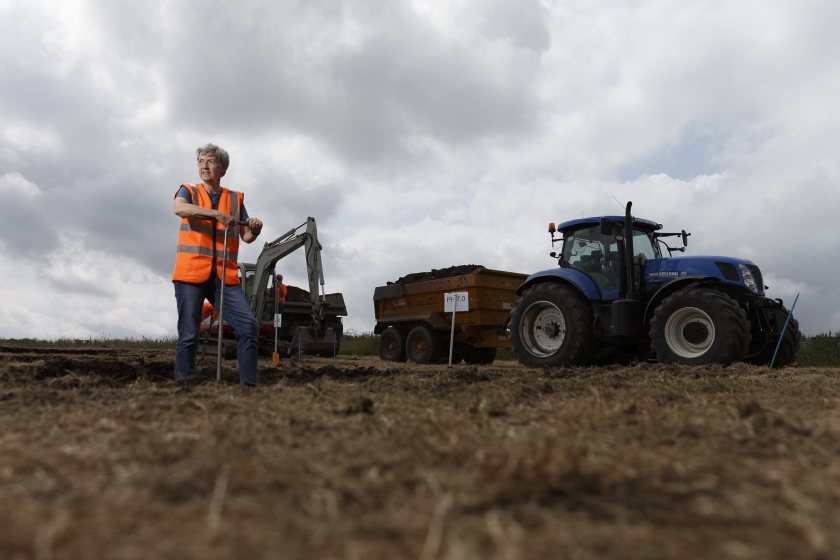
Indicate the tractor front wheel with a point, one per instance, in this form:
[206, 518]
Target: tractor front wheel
[765, 343]
[699, 326]
[551, 325]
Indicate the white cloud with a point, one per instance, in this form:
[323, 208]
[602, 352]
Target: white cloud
[16, 184]
[420, 135]
[30, 140]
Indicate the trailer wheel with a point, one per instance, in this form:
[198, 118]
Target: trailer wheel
[392, 345]
[551, 325]
[481, 355]
[699, 326]
[422, 346]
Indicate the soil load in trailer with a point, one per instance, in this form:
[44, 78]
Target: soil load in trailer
[413, 325]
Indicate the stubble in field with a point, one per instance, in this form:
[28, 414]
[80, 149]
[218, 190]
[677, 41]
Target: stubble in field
[102, 456]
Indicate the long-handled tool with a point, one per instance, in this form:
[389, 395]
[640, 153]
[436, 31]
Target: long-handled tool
[275, 358]
[220, 332]
[206, 339]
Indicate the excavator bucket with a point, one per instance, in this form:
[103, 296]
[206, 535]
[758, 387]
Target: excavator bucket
[310, 340]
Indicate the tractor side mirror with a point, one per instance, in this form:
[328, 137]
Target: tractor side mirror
[606, 226]
[685, 238]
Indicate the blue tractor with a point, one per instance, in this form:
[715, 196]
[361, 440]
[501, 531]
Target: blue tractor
[615, 296]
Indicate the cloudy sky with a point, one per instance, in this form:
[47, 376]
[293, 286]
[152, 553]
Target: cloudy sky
[420, 133]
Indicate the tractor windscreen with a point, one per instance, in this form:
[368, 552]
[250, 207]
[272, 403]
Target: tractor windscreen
[591, 251]
[643, 244]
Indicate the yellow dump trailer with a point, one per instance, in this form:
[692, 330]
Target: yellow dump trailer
[413, 325]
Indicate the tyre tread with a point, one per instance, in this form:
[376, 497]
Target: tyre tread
[735, 330]
[581, 342]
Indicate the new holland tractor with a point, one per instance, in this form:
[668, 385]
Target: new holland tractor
[615, 296]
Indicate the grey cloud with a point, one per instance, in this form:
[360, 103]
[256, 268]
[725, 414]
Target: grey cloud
[25, 229]
[61, 285]
[409, 85]
[521, 21]
[367, 100]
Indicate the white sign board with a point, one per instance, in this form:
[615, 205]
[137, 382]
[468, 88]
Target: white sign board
[456, 301]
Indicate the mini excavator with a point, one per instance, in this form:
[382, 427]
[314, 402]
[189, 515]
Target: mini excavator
[310, 322]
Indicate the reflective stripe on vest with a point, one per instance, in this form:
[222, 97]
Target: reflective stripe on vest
[201, 241]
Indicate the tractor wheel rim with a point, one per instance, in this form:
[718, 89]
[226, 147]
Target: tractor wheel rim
[689, 332]
[543, 329]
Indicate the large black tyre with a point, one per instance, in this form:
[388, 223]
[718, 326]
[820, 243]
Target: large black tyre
[422, 345]
[699, 326]
[552, 325]
[392, 345]
[764, 345]
[481, 356]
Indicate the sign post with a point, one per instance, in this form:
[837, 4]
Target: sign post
[455, 302]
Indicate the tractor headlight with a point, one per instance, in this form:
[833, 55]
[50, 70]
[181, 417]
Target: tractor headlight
[749, 279]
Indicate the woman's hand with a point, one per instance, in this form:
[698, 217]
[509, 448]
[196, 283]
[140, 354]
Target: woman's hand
[255, 225]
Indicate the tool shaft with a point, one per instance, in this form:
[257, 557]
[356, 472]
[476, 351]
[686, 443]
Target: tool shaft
[220, 332]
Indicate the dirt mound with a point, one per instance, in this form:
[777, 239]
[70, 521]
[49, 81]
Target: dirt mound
[296, 294]
[438, 273]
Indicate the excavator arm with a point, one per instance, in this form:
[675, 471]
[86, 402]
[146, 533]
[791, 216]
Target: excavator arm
[306, 236]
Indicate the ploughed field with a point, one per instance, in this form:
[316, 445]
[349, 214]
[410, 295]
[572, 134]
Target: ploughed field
[102, 456]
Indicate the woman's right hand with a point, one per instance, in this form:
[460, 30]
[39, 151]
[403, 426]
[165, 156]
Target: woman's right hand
[226, 219]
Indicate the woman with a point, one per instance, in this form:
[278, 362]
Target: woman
[206, 209]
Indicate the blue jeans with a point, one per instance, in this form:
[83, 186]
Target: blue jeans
[237, 313]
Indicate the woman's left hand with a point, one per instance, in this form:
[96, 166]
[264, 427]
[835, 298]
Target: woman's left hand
[255, 225]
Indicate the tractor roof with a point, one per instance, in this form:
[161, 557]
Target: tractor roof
[638, 223]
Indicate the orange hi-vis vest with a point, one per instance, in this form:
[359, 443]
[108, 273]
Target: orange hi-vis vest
[282, 290]
[201, 240]
[207, 309]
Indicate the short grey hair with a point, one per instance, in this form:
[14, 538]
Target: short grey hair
[221, 155]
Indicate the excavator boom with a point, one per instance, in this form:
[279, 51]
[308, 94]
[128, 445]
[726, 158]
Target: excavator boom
[275, 250]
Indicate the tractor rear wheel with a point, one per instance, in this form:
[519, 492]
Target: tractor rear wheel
[422, 345]
[551, 325]
[699, 326]
[392, 345]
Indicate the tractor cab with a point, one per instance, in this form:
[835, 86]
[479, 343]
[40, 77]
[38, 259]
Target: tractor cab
[591, 246]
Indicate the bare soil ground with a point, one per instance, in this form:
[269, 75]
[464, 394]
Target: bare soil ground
[102, 456]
